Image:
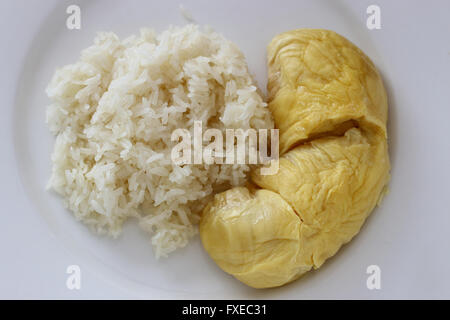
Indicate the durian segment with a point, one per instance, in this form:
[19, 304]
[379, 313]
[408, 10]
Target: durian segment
[319, 80]
[255, 236]
[333, 184]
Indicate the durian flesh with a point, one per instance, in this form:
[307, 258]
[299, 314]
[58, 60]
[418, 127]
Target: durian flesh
[329, 103]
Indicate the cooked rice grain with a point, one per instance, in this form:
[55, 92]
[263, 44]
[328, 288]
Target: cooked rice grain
[113, 113]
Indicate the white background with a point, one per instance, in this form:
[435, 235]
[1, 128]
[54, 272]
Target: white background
[408, 236]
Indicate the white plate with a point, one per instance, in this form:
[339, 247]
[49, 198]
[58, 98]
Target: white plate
[407, 237]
